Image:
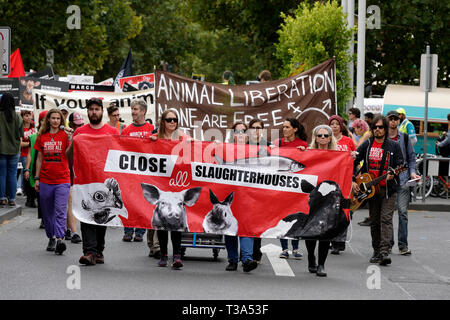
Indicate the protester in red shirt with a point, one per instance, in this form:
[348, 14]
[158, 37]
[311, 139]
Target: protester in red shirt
[294, 136]
[142, 129]
[52, 179]
[93, 235]
[340, 133]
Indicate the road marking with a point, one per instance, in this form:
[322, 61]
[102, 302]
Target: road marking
[280, 266]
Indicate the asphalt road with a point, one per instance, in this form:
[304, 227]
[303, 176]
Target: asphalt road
[27, 271]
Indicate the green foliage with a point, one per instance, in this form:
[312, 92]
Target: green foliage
[393, 52]
[106, 27]
[311, 36]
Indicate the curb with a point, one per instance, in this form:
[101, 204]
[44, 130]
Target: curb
[429, 207]
[10, 213]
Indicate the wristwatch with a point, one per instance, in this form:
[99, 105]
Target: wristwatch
[36, 178]
[26, 170]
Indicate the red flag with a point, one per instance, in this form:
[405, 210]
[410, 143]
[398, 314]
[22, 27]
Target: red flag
[17, 69]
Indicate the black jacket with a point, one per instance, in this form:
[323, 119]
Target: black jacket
[395, 160]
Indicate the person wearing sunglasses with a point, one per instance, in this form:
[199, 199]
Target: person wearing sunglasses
[380, 155]
[294, 136]
[169, 129]
[322, 139]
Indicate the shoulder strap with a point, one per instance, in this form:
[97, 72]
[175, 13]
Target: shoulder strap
[406, 138]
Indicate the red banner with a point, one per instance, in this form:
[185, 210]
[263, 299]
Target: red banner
[195, 186]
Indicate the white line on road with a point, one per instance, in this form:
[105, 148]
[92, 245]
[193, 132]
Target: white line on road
[280, 266]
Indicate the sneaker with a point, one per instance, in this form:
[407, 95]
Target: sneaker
[297, 255]
[384, 259]
[68, 235]
[405, 252]
[75, 238]
[284, 254]
[138, 238]
[19, 192]
[51, 244]
[99, 258]
[157, 255]
[177, 264]
[60, 247]
[375, 258]
[127, 237]
[232, 266]
[41, 226]
[249, 265]
[163, 261]
[365, 222]
[88, 259]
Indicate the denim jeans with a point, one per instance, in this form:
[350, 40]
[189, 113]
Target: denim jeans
[136, 231]
[231, 243]
[284, 244]
[8, 176]
[403, 197]
[23, 160]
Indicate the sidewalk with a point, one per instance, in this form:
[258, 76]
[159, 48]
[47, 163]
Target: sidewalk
[8, 213]
[431, 204]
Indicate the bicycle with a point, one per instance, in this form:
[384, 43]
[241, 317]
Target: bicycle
[429, 181]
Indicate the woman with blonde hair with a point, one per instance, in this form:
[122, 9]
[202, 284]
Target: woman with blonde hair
[322, 139]
[52, 179]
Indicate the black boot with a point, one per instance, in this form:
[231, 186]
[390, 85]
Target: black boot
[312, 266]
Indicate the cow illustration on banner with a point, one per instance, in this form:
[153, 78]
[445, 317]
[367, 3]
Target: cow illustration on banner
[182, 186]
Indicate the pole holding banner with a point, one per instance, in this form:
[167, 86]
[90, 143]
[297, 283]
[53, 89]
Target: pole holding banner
[361, 55]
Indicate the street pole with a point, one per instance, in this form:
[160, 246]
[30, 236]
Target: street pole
[349, 9]
[360, 68]
[425, 130]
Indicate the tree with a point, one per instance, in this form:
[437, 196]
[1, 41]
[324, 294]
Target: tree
[393, 51]
[312, 35]
[106, 27]
[238, 35]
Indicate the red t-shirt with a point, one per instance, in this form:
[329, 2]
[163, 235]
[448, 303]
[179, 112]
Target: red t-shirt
[55, 167]
[346, 144]
[87, 129]
[375, 156]
[27, 132]
[138, 130]
[297, 142]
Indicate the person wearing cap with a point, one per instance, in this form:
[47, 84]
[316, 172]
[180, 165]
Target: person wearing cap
[65, 111]
[93, 235]
[75, 121]
[403, 193]
[406, 126]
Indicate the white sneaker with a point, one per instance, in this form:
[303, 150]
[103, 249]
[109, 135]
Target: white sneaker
[19, 192]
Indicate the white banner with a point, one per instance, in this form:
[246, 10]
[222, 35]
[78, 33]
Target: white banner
[76, 101]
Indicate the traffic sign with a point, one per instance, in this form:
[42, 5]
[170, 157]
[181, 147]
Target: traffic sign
[5, 49]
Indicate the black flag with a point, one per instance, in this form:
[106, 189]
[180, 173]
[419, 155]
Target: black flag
[125, 71]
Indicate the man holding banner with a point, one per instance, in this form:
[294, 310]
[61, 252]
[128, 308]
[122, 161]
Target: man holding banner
[142, 129]
[93, 235]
